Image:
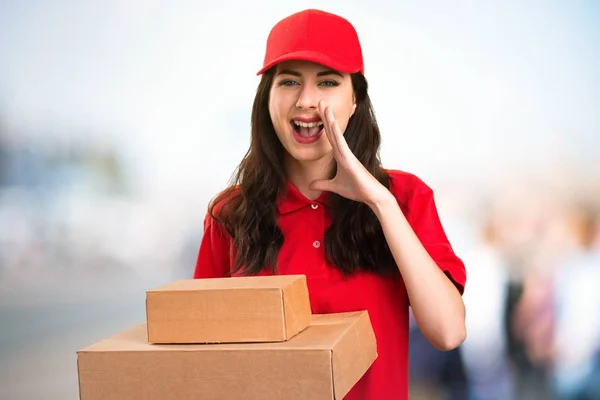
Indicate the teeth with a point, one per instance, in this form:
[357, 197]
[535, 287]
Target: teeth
[308, 124]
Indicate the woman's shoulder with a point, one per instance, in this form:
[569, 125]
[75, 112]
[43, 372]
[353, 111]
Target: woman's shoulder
[222, 199]
[406, 185]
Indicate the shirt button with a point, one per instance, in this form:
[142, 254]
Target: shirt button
[314, 206]
[316, 244]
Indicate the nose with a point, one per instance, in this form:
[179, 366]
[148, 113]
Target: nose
[307, 98]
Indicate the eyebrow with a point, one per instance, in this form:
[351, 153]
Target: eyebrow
[321, 73]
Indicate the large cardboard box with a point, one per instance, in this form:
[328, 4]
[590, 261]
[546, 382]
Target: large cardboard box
[228, 310]
[323, 362]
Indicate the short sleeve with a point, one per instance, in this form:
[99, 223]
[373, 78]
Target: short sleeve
[214, 254]
[425, 221]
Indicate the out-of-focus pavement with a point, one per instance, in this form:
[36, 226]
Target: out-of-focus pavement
[44, 326]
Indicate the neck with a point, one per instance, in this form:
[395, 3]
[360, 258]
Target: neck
[302, 173]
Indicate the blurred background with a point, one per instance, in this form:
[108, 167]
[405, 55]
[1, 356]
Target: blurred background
[121, 119]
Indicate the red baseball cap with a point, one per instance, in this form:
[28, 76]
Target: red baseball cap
[317, 36]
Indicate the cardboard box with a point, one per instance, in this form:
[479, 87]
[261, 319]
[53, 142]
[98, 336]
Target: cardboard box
[228, 310]
[323, 362]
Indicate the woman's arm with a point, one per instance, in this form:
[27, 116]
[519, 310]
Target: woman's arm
[436, 302]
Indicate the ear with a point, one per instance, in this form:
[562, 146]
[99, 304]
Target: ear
[353, 109]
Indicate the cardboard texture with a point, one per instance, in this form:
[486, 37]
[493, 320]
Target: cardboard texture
[228, 310]
[323, 362]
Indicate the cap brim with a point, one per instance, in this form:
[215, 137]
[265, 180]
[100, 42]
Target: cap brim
[313, 56]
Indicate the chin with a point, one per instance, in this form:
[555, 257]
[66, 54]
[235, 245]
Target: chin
[309, 155]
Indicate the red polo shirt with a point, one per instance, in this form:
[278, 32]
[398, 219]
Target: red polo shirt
[303, 223]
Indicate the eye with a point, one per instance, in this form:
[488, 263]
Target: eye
[329, 83]
[288, 82]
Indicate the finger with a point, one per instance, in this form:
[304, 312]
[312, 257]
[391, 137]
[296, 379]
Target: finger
[333, 128]
[324, 117]
[325, 185]
[327, 118]
[338, 136]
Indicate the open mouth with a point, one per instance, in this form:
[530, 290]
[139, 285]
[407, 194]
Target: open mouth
[307, 129]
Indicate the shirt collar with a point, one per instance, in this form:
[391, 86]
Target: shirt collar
[292, 199]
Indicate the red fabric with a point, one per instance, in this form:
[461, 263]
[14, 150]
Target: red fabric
[303, 223]
[317, 36]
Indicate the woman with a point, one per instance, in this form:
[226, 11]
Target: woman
[312, 198]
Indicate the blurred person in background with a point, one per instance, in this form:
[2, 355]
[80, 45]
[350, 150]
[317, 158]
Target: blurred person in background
[531, 324]
[484, 351]
[576, 347]
[521, 218]
[435, 374]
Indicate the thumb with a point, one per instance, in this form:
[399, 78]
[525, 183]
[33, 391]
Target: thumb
[322, 185]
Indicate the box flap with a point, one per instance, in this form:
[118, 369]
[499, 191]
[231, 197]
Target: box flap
[353, 355]
[242, 282]
[322, 334]
[296, 307]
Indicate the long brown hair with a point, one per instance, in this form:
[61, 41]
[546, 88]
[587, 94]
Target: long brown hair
[247, 209]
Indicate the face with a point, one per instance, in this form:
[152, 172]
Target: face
[297, 88]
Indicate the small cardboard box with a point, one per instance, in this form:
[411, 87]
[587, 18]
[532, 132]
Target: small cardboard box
[228, 310]
[323, 362]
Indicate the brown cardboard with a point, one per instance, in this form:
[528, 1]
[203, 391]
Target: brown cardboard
[228, 310]
[322, 362]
